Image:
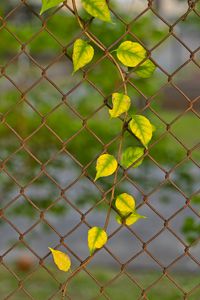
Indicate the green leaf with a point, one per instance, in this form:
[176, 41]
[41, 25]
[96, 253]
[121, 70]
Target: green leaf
[131, 219]
[131, 53]
[106, 165]
[47, 4]
[82, 54]
[146, 69]
[125, 203]
[97, 238]
[61, 260]
[121, 104]
[98, 9]
[130, 155]
[141, 128]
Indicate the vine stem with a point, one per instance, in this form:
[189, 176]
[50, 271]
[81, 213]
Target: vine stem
[76, 271]
[98, 43]
[109, 55]
[116, 174]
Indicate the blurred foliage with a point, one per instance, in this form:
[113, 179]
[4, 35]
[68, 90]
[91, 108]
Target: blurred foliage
[62, 120]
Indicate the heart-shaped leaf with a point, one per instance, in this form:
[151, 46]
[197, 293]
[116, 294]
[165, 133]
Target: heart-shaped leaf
[130, 155]
[98, 9]
[97, 238]
[82, 54]
[61, 260]
[125, 203]
[146, 69]
[131, 53]
[141, 128]
[121, 104]
[106, 165]
[47, 4]
[131, 219]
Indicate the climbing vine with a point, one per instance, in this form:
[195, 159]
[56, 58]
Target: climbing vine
[134, 57]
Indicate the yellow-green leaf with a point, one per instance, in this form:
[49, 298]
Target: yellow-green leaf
[130, 155]
[121, 104]
[61, 260]
[141, 128]
[146, 69]
[131, 219]
[125, 203]
[82, 54]
[47, 4]
[98, 9]
[131, 53]
[106, 165]
[97, 238]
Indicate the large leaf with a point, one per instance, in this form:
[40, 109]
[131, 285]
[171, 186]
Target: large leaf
[98, 9]
[82, 54]
[121, 104]
[130, 155]
[106, 165]
[61, 260]
[47, 4]
[97, 238]
[131, 53]
[131, 219]
[125, 203]
[146, 69]
[141, 128]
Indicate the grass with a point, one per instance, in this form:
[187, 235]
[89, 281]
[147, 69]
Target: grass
[41, 286]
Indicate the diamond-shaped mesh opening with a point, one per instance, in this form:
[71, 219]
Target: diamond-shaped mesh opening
[170, 63]
[130, 287]
[158, 29]
[169, 14]
[53, 127]
[171, 290]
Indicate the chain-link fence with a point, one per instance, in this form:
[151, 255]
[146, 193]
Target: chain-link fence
[55, 125]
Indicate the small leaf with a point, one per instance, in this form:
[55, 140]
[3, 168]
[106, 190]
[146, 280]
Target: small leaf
[146, 69]
[131, 219]
[47, 4]
[121, 104]
[130, 155]
[98, 9]
[61, 260]
[141, 128]
[131, 53]
[82, 54]
[97, 238]
[106, 165]
[125, 203]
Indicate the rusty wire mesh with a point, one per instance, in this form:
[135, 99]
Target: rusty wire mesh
[24, 91]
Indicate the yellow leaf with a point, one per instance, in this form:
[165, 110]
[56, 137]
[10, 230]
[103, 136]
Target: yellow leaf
[97, 238]
[131, 53]
[98, 9]
[121, 104]
[82, 54]
[131, 219]
[61, 260]
[106, 165]
[125, 203]
[141, 128]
